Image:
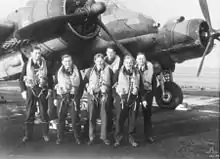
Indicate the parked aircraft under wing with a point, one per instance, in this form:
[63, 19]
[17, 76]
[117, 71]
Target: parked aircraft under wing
[84, 27]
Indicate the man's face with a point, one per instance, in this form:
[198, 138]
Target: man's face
[67, 62]
[141, 60]
[110, 53]
[99, 62]
[128, 63]
[36, 54]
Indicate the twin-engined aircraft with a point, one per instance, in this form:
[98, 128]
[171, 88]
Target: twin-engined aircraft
[83, 28]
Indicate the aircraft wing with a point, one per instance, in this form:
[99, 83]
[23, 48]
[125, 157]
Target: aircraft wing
[46, 27]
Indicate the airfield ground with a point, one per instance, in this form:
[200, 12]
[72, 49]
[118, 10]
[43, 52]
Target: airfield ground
[192, 134]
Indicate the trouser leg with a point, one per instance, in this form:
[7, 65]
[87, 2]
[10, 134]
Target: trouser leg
[121, 115]
[43, 107]
[147, 113]
[30, 113]
[110, 107]
[103, 114]
[92, 117]
[74, 117]
[132, 116]
[51, 109]
[62, 113]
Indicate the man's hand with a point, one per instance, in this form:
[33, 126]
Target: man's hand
[24, 95]
[90, 91]
[73, 91]
[49, 93]
[135, 91]
[55, 102]
[103, 89]
[144, 103]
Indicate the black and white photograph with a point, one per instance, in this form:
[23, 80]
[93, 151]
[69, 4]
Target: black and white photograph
[109, 79]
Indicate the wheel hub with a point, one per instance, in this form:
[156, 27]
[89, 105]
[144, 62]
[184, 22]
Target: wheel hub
[167, 96]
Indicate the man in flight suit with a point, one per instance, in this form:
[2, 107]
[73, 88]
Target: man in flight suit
[98, 83]
[114, 62]
[112, 59]
[67, 88]
[146, 71]
[36, 85]
[126, 100]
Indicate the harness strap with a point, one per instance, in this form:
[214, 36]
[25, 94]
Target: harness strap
[41, 92]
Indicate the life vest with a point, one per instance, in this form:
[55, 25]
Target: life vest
[146, 73]
[127, 83]
[67, 83]
[97, 80]
[114, 65]
[36, 76]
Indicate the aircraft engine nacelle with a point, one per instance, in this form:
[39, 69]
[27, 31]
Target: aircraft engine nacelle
[182, 32]
[35, 22]
[36, 14]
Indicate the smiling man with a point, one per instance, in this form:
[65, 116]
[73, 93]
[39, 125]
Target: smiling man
[67, 88]
[126, 100]
[98, 88]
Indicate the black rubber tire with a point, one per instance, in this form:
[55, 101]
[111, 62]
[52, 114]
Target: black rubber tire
[176, 92]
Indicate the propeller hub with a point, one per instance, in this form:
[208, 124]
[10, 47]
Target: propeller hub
[97, 8]
[88, 11]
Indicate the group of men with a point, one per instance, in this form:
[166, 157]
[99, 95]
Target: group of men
[110, 83]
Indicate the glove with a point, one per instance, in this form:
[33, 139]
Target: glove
[90, 91]
[55, 102]
[103, 89]
[144, 103]
[24, 95]
[134, 91]
[49, 93]
[73, 90]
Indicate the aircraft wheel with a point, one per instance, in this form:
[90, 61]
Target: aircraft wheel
[172, 98]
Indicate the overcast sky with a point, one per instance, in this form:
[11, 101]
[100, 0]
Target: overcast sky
[161, 11]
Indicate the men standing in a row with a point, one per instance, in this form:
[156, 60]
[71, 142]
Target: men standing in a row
[36, 85]
[98, 88]
[145, 69]
[67, 89]
[126, 100]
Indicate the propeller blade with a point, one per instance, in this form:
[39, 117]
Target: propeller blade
[121, 47]
[210, 43]
[36, 31]
[205, 11]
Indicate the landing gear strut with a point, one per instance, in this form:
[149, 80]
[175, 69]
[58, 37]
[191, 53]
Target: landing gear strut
[168, 94]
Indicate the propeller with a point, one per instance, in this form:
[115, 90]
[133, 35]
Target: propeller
[213, 34]
[120, 46]
[34, 30]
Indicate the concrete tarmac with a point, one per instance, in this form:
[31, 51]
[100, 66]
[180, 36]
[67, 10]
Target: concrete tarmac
[191, 134]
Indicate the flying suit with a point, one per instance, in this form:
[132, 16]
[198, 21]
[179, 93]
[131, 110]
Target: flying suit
[98, 88]
[114, 64]
[67, 88]
[36, 80]
[146, 94]
[126, 103]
